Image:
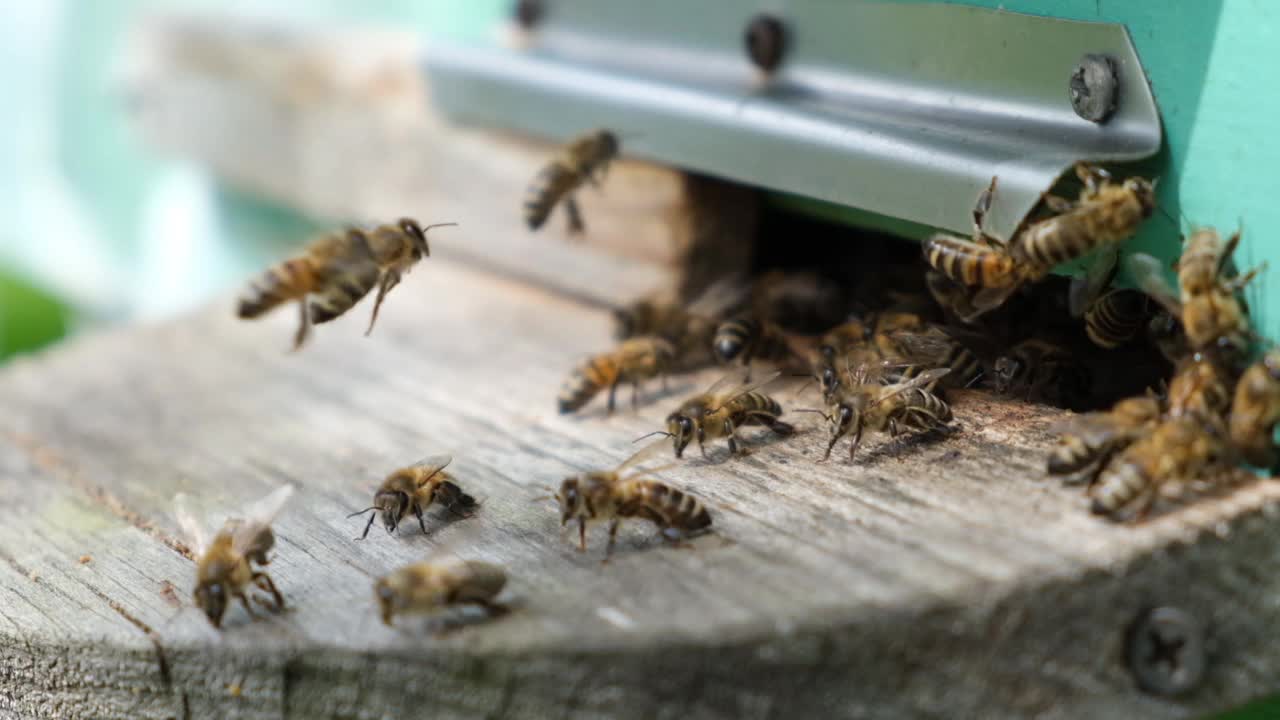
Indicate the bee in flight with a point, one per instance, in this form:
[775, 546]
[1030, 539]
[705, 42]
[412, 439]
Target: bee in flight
[583, 160]
[227, 565]
[335, 271]
[634, 361]
[616, 494]
[1205, 301]
[427, 587]
[1090, 440]
[412, 490]
[720, 411]
[1256, 410]
[1106, 214]
[862, 403]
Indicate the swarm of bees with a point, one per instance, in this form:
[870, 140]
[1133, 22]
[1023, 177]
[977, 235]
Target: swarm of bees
[884, 359]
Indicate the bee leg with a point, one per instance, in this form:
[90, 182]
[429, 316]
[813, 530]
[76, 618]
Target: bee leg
[389, 280]
[853, 447]
[702, 439]
[264, 581]
[417, 510]
[582, 534]
[244, 600]
[372, 516]
[613, 393]
[1092, 176]
[574, 214]
[982, 207]
[304, 325]
[635, 395]
[613, 536]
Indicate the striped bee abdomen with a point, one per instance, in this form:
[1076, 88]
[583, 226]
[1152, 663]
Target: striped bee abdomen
[342, 290]
[676, 509]
[551, 184]
[734, 337]
[969, 263]
[1117, 317]
[290, 280]
[1118, 485]
[585, 382]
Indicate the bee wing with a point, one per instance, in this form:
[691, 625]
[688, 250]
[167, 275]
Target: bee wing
[727, 383]
[727, 394]
[647, 452]
[721, 296]
[1085, 290]
[194, 531]
[1150, 277]
[921, 347]
[258, 516]
[986, 300]
[433, 464]
[920, 380]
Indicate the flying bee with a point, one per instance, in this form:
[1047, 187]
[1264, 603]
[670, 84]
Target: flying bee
[1093, 438]
[990, 270]
[1044, 371]
[1201, 387]
[225, 564]
[1105, 214]
[584, 160]
[1178, 451]
[617, 494]
[720, 411]
[1206, 302]
[953, 297]
[865, 405]
[1256, 409]
[427, 587]
[633, 361]
[336, 271]
[412, 490]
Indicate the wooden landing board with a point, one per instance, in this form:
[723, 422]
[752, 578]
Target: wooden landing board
[931, 579]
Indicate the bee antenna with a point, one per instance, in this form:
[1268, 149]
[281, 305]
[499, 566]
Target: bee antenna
[648, 435]
[811, 410]
[436, 225]
[361, 512]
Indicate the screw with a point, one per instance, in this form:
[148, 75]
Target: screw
[766, 41]
[1095, 87]
[1165, 651]
[528, 13]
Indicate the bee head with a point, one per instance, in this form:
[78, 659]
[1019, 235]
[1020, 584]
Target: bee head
[1007, 369]
[391, 505]
[680, 427]
[416, 235]
[624, 323]
[608, 142]
[212, 599]
[571, 500]
[829, 380]
[844, 416]
[1145, 191]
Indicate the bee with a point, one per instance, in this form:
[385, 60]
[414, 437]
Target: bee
[633, 361]
[412, 490]
[953, 297]
[225, 565]
[1117, 317]
[1042, 371]
[990, 269]
[583, 160]
[616, 494]
[932, 348]
[798, 301]
[720, 411]
[337, 271]
[1256, 409]
[852, 333]
[862, 405]
[426, 587]
[1105, 214]
[1201, 387]
[1206, 302]
[1094, 437]
[1178, 450]
[746, 338]
[1165, 333]
[691, 329]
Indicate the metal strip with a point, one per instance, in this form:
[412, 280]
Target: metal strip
[905, 110]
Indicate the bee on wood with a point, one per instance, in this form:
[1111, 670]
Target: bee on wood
[746, 338]
[583, 160]
[861, 404]
[1256, 409]
[633, 361]
[1043, 371]
[691, 329]
[225, 564]
[932, 348]
[617, 494]
[720, 411]
[1091, 439]
[412, 490]
[427, 587]
[336, 271]
[1178, 451]
[1206, 302]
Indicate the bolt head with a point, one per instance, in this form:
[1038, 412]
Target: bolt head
[1095, 88]
[766, 42]
[1166, 652]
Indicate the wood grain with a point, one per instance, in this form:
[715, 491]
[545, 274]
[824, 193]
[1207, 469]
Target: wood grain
[338, 124]
[940, 578]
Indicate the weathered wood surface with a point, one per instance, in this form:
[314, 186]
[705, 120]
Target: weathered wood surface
[339, 125]
[935, 579]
